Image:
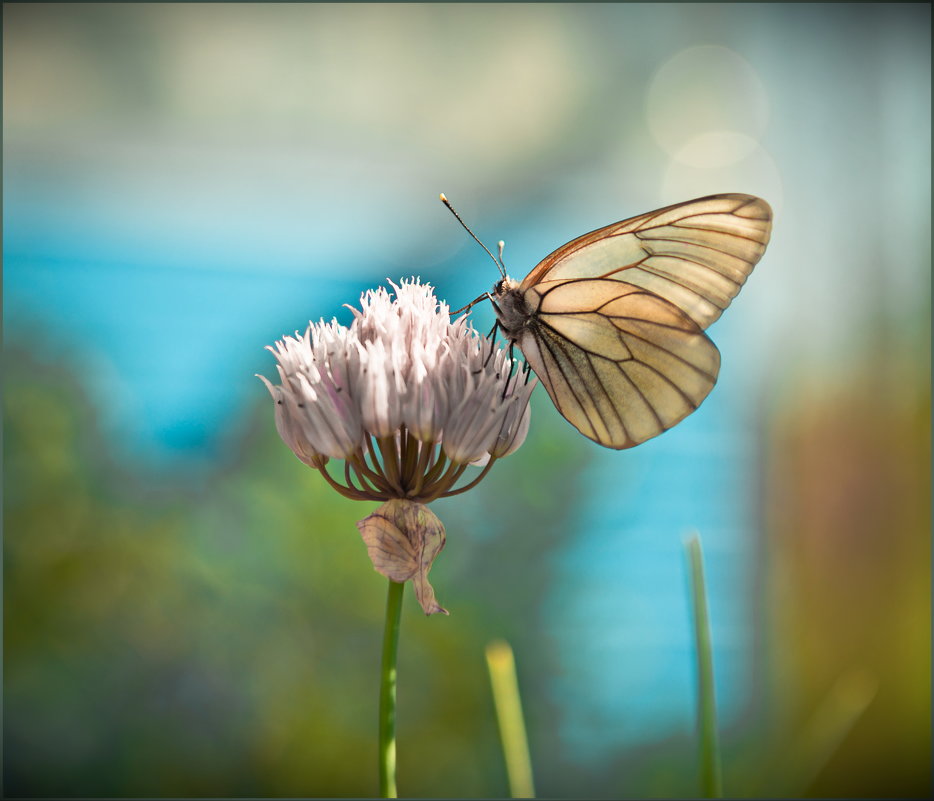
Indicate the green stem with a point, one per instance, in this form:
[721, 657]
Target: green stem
[711, 781]
[387, 692]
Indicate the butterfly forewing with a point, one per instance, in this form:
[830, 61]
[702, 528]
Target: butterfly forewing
[696, 255]
[621, 364]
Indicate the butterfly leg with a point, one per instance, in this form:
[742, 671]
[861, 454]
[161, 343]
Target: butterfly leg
[470, 305]
[492, 339]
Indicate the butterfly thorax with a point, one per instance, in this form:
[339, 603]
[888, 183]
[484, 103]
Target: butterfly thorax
[512, 309]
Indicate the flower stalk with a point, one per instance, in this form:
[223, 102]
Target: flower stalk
[387, 692]
[409, 400]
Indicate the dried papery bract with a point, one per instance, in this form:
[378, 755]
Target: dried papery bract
[403, 538]
[409, 400]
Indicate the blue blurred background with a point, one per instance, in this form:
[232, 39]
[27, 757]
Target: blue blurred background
[190, 611]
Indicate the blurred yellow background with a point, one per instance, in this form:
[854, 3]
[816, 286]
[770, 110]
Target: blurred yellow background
[190, 611]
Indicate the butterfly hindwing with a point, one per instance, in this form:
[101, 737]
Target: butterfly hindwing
[620, 363]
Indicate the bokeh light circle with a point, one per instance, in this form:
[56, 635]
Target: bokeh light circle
[756, 174]
[711, 98]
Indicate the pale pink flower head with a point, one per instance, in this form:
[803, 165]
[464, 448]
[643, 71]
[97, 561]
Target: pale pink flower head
[405, 396]
[408, 399]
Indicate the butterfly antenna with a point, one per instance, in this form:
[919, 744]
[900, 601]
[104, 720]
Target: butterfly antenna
[498, 264]
[502, 264]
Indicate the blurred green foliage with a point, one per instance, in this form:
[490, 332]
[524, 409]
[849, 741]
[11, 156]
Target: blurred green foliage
[848, 584]
[219, 634]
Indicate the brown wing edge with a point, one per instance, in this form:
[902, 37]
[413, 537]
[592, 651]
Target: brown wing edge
[640, 223]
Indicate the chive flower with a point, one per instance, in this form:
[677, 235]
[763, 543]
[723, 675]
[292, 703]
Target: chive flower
[409, 400]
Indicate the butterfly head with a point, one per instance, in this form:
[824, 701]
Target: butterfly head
[503, 286]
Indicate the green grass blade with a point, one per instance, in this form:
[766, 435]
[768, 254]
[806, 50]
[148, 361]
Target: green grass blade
[710, 768]
[502, 667]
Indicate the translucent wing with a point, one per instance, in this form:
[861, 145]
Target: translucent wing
[696, 255]
[621, 364]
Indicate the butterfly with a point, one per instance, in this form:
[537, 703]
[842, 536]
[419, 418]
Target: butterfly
[613, 322]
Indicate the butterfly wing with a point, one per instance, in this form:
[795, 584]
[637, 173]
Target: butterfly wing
[620, 363]
[696, 254]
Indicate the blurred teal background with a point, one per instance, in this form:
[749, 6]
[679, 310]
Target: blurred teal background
[188, 610]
